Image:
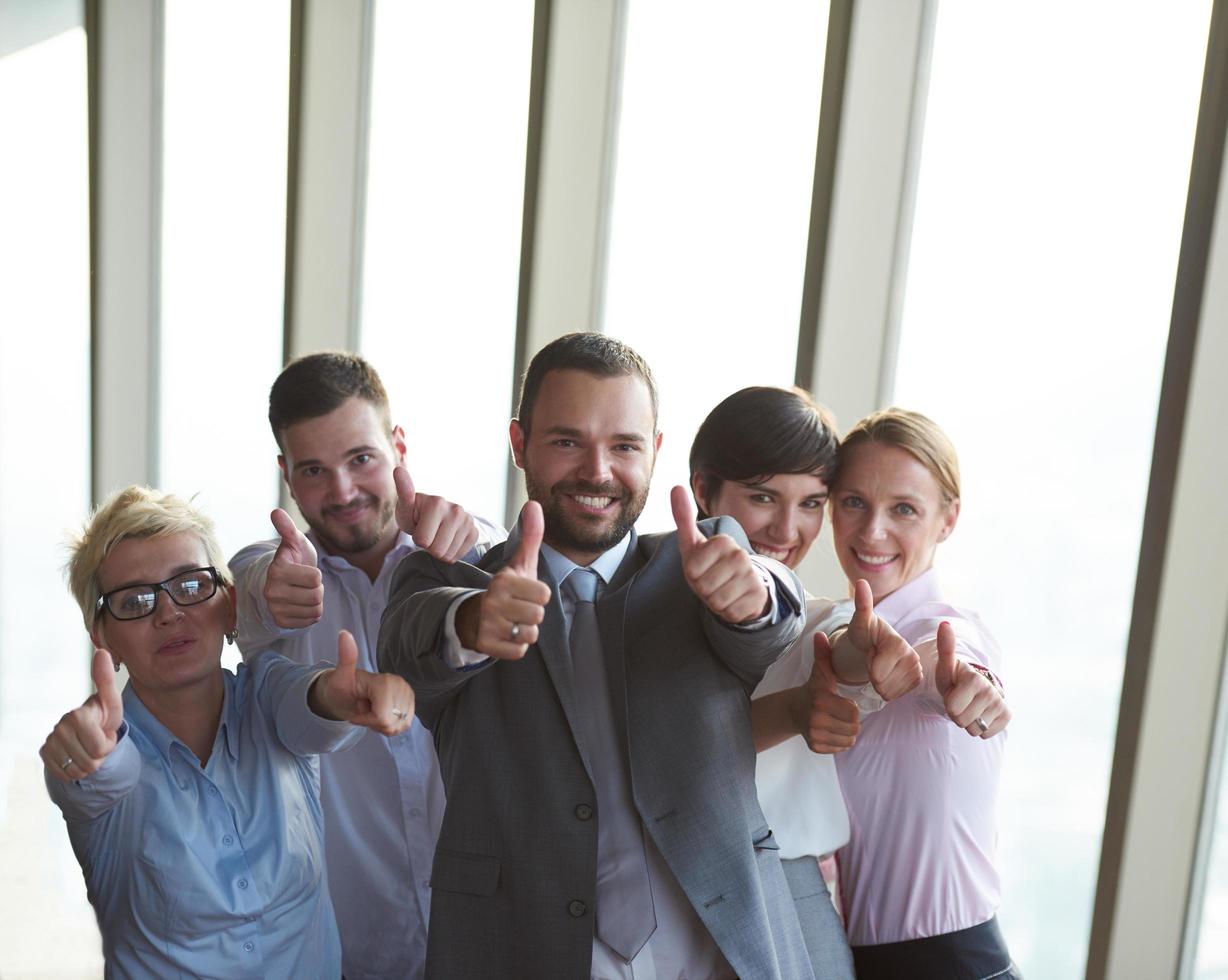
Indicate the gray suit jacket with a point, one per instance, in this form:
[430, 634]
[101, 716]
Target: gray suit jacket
[515, 869]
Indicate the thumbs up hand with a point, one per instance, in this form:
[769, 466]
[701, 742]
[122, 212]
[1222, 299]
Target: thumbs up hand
[828, 722]
[84, 737]
[439, 527]
[381, 702]
[293, 586]
[502, 622]
[972, 700]
[716, 568]
[894, 666]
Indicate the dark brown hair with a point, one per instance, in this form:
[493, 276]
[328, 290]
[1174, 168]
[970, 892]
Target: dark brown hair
[595, 353]
[316, 384]
[756, 433]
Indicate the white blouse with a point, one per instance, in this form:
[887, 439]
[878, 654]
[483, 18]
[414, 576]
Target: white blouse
[798, 789]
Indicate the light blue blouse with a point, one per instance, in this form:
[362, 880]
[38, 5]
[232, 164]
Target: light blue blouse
[214, 871]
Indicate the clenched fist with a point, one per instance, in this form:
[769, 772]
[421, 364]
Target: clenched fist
[502, 622]
[717, 569]
[972, 700]
[439, 527]
[84, 737]
[293, 585]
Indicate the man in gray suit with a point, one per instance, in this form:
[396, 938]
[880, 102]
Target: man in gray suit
[601, 818]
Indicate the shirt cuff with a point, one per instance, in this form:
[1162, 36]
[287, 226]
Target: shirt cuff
[774, 614]
[863, 695]
[454, 653]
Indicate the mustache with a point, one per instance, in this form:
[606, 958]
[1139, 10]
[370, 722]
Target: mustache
[365, 500]
[590, 489]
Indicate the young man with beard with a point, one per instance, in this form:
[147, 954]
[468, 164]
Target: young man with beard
[588, 692]
[343, 462]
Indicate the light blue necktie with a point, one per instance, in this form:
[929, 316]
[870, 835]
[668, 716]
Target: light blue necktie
[625, 915]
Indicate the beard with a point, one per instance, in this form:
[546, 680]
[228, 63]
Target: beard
[354, 539]
[579, 533]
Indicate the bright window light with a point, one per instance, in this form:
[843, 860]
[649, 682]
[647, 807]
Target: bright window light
[449, 116]
[44, 492]
[712, 188]
[1050, 205]
[223, 258]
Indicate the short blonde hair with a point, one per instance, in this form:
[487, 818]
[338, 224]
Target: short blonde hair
[134, 512]
[916, 434]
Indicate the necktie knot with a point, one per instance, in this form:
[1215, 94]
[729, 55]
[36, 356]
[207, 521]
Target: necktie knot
[581, 584]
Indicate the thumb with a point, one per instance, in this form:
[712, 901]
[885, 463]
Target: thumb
[532, 527]
[689, 535]
[102, 670]
[347, 659]
[944, 676]
[294, 548]
[863, 609]
[407, 497]
[823, 673]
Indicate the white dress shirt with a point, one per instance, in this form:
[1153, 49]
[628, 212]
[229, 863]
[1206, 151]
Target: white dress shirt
[383, 801]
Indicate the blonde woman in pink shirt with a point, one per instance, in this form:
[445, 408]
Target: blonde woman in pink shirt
[921, 783]
[919, 772]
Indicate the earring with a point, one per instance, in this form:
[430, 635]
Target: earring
[116, 667]
[232, 636]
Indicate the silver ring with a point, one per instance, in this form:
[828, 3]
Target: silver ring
[399, 713]
[980, 723]
[66, 763]
[515, 630]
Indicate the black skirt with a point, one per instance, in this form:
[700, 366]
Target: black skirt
[976, 953]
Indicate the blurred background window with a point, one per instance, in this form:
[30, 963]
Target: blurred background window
[44, 491]
[711, 209]
[1050, 204]
[226, 99]
[441, 263]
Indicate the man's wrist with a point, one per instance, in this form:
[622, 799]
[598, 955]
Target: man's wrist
[468, 618]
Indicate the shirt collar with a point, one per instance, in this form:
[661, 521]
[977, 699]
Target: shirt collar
[403, 544]
[924, 588]
[605, 566]
[162, 737]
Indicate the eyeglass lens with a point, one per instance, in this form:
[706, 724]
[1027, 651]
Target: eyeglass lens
[186, 589]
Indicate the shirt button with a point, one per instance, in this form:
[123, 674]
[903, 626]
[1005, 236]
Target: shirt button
[576, 908]
[249, 946]
[584, 812]
[242, 882]
[228, 840]
[415, 813]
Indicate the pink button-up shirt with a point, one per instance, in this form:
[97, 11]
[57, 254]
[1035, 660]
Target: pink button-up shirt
[921, 794]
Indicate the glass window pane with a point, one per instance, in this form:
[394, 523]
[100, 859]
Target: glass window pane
[449, 114]
[223, 258]
[716, 147]
[44, 434]
[1040, 286]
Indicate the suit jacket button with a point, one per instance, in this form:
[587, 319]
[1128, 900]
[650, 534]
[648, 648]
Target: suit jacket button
[584, 811]
[576, 908]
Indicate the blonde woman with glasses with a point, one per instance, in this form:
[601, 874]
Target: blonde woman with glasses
[192, 797]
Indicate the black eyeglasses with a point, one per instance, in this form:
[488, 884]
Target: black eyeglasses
[188, 588]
